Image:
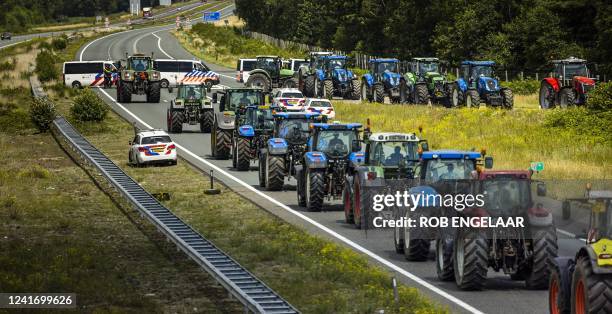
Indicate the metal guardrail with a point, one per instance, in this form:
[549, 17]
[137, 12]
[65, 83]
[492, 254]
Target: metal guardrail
[244, 286]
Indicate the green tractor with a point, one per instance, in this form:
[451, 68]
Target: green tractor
[192, 107]
[426, 82]
[269, 74]
[231, 108]
[138, 77]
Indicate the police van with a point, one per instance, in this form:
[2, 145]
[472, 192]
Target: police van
[242, 69]
[173, 72]
[86, 73]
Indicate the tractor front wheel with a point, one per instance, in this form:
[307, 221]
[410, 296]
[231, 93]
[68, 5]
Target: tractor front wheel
[547, 96]
[507, 98]
[415, 249]
[262, 168]
[567, 98]
[328, 89]
[301, 187]
[242, 154]
[456, 96]
[125, 92]
[355, 92]
[544, 252]
[222, 144]
[403, 92]
[176, 118]
[275, 172]
[421, 94]
[259, 80]
[379, 93]
[348, 205]
[309, 86]
[557, 302]
[206, 121]
[315, 190]
[364, 92]
[153, 94]
[444, 259]
[472, 99]
[591, 293]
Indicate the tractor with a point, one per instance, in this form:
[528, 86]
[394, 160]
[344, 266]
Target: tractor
[476, 84]
[335, 79]
[568, 85]
[306, 73]
[432, 173]
[388, 167]
[269, 73]
[522, 250]
[192, 107]
[284, 151]
[426, 82]
[138, 77]
[253, 128]
[333, 150]
[583, 284]
[383, 79]
[232, 104]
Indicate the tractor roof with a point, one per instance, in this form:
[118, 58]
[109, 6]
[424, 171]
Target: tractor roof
[191, 83]
[570, 60]
[240, 89]
[296, 115]
[505, 174]
[426, 59]
[485, 63]
[321, 53]
[450, 154]
[337, 126]
[383, 60]
[335, 57]
[391, 136]
[275, 57]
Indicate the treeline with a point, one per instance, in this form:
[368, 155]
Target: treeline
[516, 34]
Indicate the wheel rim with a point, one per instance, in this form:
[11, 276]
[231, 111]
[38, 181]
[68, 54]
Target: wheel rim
[468, 101]
[553, 296]
[459, 256]
[580, 302]
[164, 84]
[316, 88]
[364, 93]
[406, 239]
[308, 189]
[440, 254]
[455, 98]
[396, 236]
[544, 97]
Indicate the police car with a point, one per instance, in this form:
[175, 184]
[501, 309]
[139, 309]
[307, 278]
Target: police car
[321, 106]
[152, 147]
[289, 98]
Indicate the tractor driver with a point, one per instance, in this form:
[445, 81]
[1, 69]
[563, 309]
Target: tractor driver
[335, 141]
[335, 64]
[244, 100]
[395, 158]
[139, 65]
[191, 92]
[450, 174]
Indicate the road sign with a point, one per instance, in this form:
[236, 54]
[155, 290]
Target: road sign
[106, 23]
[212, 16]
[537, 166]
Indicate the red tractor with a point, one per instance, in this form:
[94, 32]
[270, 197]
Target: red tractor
[568, 85]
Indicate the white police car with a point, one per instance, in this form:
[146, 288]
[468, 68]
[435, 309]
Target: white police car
[321, 106]
[289, 98]
[152, 147]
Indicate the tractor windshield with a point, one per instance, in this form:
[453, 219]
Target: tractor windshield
[481, 70]
[336, 64]
[244, 98]
[392, 153]
[260, 119]
[425, 67]
[449, 169]
[576, 69]
[140, 64]
[506, 195]
[294, 131]
[335, 143]
[193, 92]
[268, 64]
[386, 66]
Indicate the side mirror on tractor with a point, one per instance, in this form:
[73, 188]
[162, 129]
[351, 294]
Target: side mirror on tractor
[356, 146]
[424, 145]
[541, 189]
[488, 162]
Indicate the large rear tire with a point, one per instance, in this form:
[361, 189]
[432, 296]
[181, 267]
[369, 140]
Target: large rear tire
[328, 89]
[259, 80]
[309, 83]
[557, 301]
[456, 96]
[472, 99]
[421, 94]
[222, 144]
[301, 187]
[243, 161]
[379, 93]
[348, 205]
[315, 190]
[176, 118]
[153, 95]
[444, 259]
[507, 98]
[470, 260]
[591, 293]
[275, 173]
[544, 252]
[547, 96]
[125, 92]
[416, 250]
[567, 98]
[356, 89]
[206, 121]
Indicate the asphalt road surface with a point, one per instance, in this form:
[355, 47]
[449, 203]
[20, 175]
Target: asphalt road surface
[501, 295]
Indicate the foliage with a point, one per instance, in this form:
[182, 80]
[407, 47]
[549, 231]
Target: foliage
[45, 66]
[523, 87]
[42, 113]
[600, 98]
[88, 106]
[8, 65]
[582, 122]
[59, 43]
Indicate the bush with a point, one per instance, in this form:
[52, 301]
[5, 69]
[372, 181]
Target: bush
[42, 113]
[8, 65]
[45, 66]
[582, 122]
[59, 43]
[600, 98]
[523, 87]
[88, 106]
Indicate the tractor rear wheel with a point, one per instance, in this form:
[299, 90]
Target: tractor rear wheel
[125, 92]
[243, 161]
[259, 80]
[348, 205]
[263, 156]
[301, 187]
[222, 144]
[544, 252]
[153, 94]
[507, 98]
[379, 93]
[206, 121]
[421, 94]
[315, 190]
[547, 96]
[317, 91]
[309, 85]
[397, 240]
[275, 171]
[444, 259]
[567, 98]
[591, 293]
[557, 302]
[472, 99]
[356, 91]
[328, 89]
[456, 96]
[356, 205]
[176, 119]
[470, 260]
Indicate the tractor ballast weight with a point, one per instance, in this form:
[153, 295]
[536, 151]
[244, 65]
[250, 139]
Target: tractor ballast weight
[138, 76]
[269, 73]
[476, 83]
[333, 150]
[426, 83]
[384, 79]
[285, 149]
[568, 85]
[191, 106]
[231, 104]
[253, 128]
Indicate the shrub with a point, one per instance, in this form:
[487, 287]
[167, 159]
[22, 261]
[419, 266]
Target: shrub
[600, 98]
[8, 65]
[45, 66]
[582, 122]
[59, 43]
[523, 87]
[42, 113]
[88, 106]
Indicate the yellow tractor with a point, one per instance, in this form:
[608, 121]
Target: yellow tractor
[583, 284]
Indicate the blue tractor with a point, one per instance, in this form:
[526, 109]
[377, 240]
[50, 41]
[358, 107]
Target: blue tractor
[333, 78]
[477, 83]
[285, 148]
[332, 151]
[253, 128]
[384, 79]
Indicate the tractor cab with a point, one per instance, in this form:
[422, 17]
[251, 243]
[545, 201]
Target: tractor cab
[379, 67]
[191, 93]
[331, 63]
[425, 67]
[139, 63]
[316, 59]
[441, 165]
[477, 83]
[569, 68]
[271, 64]
[392, 155]
[336, 141]
[475, 71]
[260, 118]
[234, 99]
[294, 127]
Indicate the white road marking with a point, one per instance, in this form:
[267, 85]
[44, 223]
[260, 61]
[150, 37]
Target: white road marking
[159, 44]
[569, 234]
[135, 44]
[336, 235]
[13, 44]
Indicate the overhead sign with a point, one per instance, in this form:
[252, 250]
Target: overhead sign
[212, 16]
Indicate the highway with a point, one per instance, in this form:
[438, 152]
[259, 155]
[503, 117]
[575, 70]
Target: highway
[501, 295]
